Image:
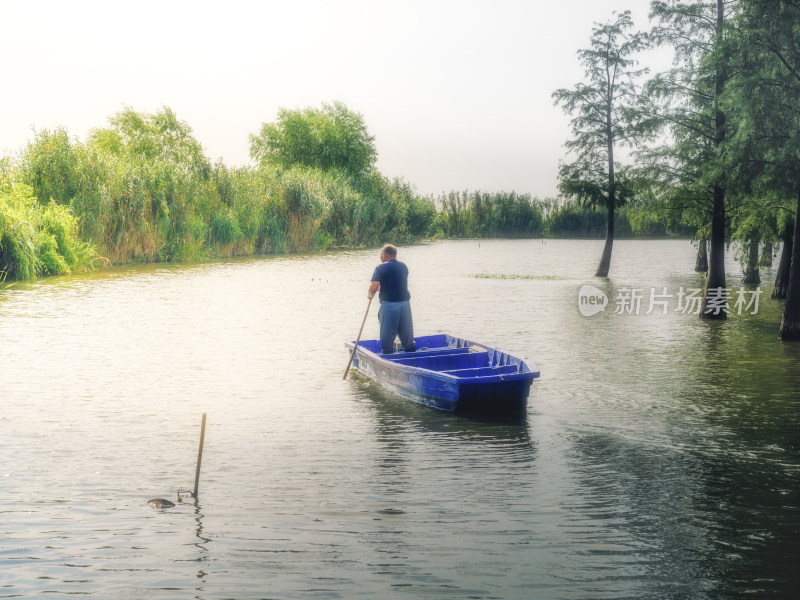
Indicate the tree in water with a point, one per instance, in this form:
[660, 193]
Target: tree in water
[782, 276]
[600, 108]
[686, 104]
[755, 221]
[765, 93]
[701, 264]
[790, 323]
[751, 270]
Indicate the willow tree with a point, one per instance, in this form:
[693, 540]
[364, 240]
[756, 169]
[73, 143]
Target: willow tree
[153, 137]
[146, 202]
[600, 110]
[331, 137]
[50, 165]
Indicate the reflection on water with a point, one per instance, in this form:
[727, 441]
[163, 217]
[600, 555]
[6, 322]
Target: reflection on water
[658, 458]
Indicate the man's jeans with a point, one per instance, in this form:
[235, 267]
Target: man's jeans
[395, 319]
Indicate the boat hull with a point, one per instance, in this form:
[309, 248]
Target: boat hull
[450, 373]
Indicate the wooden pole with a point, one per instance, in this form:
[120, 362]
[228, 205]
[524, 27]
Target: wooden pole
[358, 339]
[199, 455]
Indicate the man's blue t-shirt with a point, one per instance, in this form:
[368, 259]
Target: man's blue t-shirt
[393, 277]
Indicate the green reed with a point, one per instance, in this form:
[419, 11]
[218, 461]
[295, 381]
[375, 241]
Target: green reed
[142, 189]
[38, 240]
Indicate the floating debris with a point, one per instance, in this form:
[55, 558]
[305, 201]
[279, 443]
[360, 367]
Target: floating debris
[504, 276]
[391, 511]
[161, 502]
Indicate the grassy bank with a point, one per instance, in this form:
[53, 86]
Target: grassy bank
[143, 190]
[119, 198]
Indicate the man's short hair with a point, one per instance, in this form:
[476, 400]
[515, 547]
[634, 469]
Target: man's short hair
[389, 250]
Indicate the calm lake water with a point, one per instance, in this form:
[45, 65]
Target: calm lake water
[659, 457]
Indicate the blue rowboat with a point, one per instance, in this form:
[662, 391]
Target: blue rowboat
[450, 373]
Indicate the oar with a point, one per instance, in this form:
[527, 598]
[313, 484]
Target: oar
[358, 339]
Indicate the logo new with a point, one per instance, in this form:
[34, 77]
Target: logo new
[591, 300]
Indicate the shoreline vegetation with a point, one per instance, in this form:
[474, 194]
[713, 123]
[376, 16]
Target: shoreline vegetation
[142, 190]
[712, 154]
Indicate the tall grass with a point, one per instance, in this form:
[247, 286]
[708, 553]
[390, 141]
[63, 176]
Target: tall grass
[130, 201]
[571, 219]
[38, 240]
[476, 214]
[142, 189]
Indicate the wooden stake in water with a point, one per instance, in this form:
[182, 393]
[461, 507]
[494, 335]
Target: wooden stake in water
[199, 455]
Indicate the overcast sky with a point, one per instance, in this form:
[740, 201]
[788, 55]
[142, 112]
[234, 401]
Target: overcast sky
[456, 93]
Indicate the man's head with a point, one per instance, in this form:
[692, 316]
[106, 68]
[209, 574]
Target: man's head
[388, 252]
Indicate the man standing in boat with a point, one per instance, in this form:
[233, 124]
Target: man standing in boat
[391, 278]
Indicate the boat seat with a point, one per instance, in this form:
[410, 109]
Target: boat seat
[424, 352]
[484, 371]
[445, 362]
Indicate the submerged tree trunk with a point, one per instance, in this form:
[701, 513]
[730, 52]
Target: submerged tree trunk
[790, 324]
[766, 255]
[782, 277]
[605, 260]
[701, 265]
[751, 274]
[715, 293]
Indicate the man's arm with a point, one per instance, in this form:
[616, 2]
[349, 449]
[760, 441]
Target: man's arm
[373, 288]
